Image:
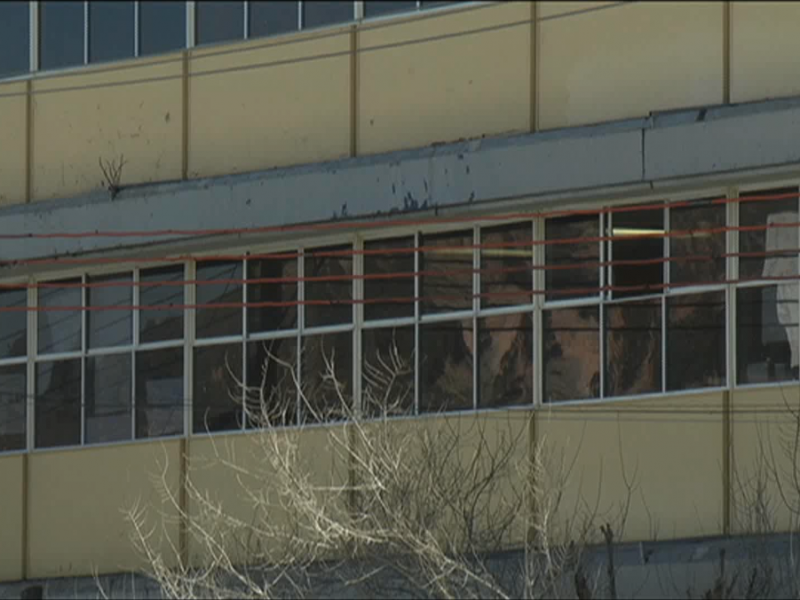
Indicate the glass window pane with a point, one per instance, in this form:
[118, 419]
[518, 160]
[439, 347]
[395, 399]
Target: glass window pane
[219, 21]
[162, 27]
[573, 267]
[58, 404]
[13, 407]
[766, 333]
[629, 229]
[388, 372]
[59, 330]
[160, 397]
[437, 3]
[271, 399]
[108, 398]
[215, 322]
[445, 366]
[272, 318]
[505, 365]
[61, 33]
[446, 282]
[217, 391]
[110, 31]
[110, 327]
[167, 323]
[338, 291]
[697, 256]
[322, 400]
[377, 8]
[271, 18]
[696, 341]
[14, 38]
[506, 265]
[393, 288]
[633, 348]
[571, 359]
[13, 325]
[317, 14]
[768, 244]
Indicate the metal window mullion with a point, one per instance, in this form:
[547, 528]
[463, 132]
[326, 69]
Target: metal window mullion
[189, 328]
[245, 309]
[601, 316]
[358, 10]
[34, 37]
[538, 280]
[136, 28]
[300, 15]
[666, 273]
[301, 321]
[86, 18]
[136, 301]
[476, 304]
[191, 20]
[416, 322]
[84, 333]
[246, 11]
[358, 321]
[30, 372]
[731, 272]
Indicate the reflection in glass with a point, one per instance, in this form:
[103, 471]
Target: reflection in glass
[272, 318]
[766, 333]
[271, 18]
[271, 399]
[696, 341]
[324, 398]
[162, 27]
[59, 330]
[507, 269]
[110, 327]
[571, 360]
[339, 291]
[219, 21]
[61, 33]
[775, 214]
[13, 325]
[108, 398]
[445, 366]
[162, 324]
[709, 247]
[396, 287]
[110, 30]
[14, 38]
[58, 404]
[388, 372]
[215, 322]
[447, 264]
[13, 407]
[159, 393]
[317, 14]
[633, 348]
[584, 278]
[505, 368]
[628, 230]
[217, 392]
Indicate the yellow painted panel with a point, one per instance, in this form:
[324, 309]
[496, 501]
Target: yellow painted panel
[229, 471]
[443, 90]
[629, 60]
[672, 463]
[77, 503]
[73, 130]
[765, 40]
[12, 144]
[11, 495]
[553, 9]
[765, 459]
[256, 118]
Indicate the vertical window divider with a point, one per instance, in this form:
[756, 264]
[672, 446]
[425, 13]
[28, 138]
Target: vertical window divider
[538, 253]
[86, 18]
[301, 321]
[664, 295]
[416, 322]
[300, 15]
[191, 29]
[136, 28]
[34, 36]
[245, 263]
[358, 10]
[30, 373]
[797, 270]
[84, 335]
[358, 322]
[731, 273]
[246, 12]
[136, 302]
[189, 328]
[605, 249]
[476, 303]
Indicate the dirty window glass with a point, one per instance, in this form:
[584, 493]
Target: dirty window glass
[13, 325]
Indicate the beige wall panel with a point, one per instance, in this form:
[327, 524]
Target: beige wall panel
[448, 89]
[267, 117]
[765, 459]
[765, 40]
[228, 471]
[589, 71]
[672, 463]
[12, 144]
[77, 503]
[72, 130]
[11, 498]
[552, 9]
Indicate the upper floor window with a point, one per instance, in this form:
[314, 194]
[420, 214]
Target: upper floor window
[270, 18]
[318, 14]
[111, 31]
[219, 21]
[61, 34]
[379, 8]
[14, 38]
[162, 27]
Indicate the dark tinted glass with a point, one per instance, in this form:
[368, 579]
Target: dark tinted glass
[159, 393]
[13, 407]
[110, 30]
[58, 403]
[376, 9]
[59, 330]
[217, 389]
[571, 357]
[317, 14]
[387, 295]
[265, 285]
[110, 326]
[271, 398]
[108, 398]
[388, 372]
[633, 348]
[13, 325]
[14, 38]
[505, 360]
[447, 268]
[326, 400]
[572, 265]
[445, 366]
[333, 288]
[165, 323]
[61, 34]
[162, 27]
[637, 251]
[219, 21]
[506, 265]
[225, 320]
[696, 341]
[270, 18]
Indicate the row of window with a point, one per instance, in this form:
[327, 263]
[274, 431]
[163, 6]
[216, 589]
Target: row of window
[632, 301]
[74, 33]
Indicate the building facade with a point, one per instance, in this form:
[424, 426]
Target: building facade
[576, 222]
